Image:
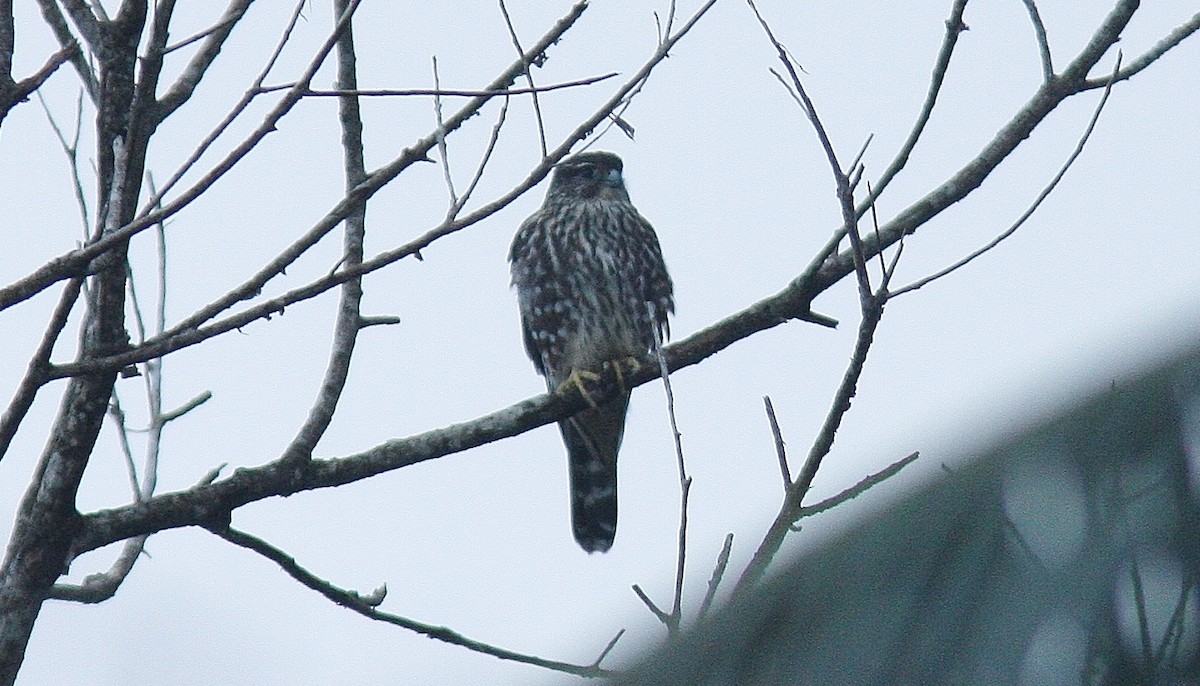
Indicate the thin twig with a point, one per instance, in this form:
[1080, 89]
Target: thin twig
[664, 30]
[224, 21]
[616, 115]
[1160, 48]
[1139, 597]
[36, 373]
[718, 574]
[440, 133]
[780, 448]
[1039, 32]
[493, 139]
[1177, 626]
[954, 27]
[117, 415]
[685, 482]
[845, 192]
[663, 617]
[607, 649]
[367, 606]
[442, 92]
[533, 91]
[859, 488]
[187, 407]
[71, 150]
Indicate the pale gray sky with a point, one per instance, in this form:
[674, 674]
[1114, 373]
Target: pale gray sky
[1097, 283]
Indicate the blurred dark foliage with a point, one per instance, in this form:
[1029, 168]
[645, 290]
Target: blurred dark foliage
[1065, 555]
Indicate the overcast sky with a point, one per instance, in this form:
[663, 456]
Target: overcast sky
[1098, 283]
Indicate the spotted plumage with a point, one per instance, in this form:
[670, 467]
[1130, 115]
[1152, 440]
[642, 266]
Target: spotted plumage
[584, 266]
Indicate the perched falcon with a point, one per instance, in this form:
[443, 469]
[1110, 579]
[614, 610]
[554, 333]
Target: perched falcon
[584, 266]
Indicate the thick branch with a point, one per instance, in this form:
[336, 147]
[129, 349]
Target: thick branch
[13, 93]
[194, 72]
[1172, 39]
[348, 324]
[62, 33]
[39, 546]
[36, 372]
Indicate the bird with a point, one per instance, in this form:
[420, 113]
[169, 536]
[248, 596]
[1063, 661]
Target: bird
[585, 266]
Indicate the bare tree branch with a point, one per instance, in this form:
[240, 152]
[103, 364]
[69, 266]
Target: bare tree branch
[367, 606]
[672, 619]
[859, 488]
[62, 33]
[780, 449]
[954, 27]
[39, 546]
[533, 90]
[36, 372]
[211, 502]
[1039, 32]
[441, 92]
[99, 587]
[76, 261]
[440, 134]
[71, 149]
[85, 21]
[217, 499]
[255, 89]
[214, 39]
[14, 92]
[789, 511]
[347, 326]
[1045, 193]
[189, 331]
[1156, 51]
[718, 574]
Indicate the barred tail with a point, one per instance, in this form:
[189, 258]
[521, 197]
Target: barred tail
[593, 438]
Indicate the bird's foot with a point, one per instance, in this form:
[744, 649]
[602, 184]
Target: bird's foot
[578, 380]
[630, 363]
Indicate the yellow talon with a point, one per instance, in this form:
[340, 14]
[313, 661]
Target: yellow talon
[576, 380]
[579, 378]
[631, 362]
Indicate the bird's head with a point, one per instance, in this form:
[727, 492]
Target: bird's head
[589, 175]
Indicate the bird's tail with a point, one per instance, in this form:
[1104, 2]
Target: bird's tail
[593, 438]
